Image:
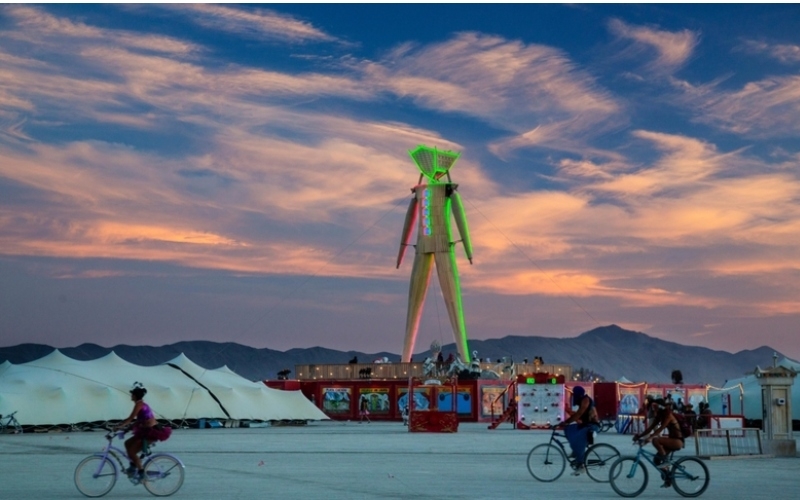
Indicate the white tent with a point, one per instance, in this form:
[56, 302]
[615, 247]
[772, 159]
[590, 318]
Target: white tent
[246, 399]
[57, 389]
[749, 390]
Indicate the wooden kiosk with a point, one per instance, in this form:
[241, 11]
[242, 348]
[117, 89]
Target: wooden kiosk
[430, 420]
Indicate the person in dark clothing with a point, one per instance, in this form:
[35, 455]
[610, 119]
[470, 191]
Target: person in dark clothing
[579, 425]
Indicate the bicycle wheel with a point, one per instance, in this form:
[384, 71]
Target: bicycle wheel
[628, 476]
[95, 476]
[598, 461]
[546, 462]
[163, 475]
[690, 477]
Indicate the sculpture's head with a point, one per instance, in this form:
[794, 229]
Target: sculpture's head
[433, 163]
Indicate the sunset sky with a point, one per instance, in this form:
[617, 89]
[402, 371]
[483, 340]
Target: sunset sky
[241, 173]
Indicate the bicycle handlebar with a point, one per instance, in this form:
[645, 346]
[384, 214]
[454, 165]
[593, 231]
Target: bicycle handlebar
[111, 433]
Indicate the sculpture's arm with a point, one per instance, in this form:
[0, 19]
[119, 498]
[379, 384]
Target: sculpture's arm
[461, 223]
[411, 218]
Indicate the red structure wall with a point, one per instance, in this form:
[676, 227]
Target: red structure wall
[475, 400]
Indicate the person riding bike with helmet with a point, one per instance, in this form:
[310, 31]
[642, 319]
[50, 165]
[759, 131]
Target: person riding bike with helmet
[579, 426]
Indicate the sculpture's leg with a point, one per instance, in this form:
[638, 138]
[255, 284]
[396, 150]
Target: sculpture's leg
[417, 290]
[451, 291]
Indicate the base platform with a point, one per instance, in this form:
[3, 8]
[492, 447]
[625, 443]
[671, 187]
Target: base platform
[433, 421]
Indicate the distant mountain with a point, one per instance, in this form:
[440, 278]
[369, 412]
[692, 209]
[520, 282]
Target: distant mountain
[615, 352]
[609, 350]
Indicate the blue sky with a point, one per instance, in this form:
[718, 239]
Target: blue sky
[241, 173]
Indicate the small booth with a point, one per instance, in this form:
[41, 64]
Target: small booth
[540, 400]
[776, 386]
[423, 416]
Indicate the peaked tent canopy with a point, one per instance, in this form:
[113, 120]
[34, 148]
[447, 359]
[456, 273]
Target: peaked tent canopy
[246, 399]
[57, 389]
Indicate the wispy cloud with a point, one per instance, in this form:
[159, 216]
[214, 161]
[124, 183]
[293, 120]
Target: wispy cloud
[41, 27]
[785, 53]
[672, 49]
[255, 23]
[504, 81]
[763, 108]
[533, 91]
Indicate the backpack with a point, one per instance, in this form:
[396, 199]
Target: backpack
[685, 425]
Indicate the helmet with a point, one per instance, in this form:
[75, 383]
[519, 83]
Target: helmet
[577, 394]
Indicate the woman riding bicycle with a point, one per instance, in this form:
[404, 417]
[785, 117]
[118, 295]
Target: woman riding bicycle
[664, 445]
[145, 428]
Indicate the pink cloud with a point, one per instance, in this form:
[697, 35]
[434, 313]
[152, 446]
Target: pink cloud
[253, 23]
[672, 48]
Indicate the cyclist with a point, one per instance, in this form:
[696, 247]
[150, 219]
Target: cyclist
[579, 425]
[145, 428]
[664, 445]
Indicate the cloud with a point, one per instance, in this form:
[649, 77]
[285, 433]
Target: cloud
[41, 27]
[693, 194]
[506, 83]
[764, 108]
[255, 23]
[687, 163]
[672, 49]
[784, 53]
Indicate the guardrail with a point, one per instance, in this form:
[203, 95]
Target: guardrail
[728, 442]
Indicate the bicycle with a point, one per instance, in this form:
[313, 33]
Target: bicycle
[606, 424]
[628, 475]
[10, 424]
[547, 461]
[95, 475]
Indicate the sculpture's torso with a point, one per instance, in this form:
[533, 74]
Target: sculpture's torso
[433, 231]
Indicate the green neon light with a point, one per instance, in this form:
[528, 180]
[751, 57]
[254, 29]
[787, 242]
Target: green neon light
[456, 278]
[433, 163]
[531, 380]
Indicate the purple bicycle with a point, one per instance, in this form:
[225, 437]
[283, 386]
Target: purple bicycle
[98, 473]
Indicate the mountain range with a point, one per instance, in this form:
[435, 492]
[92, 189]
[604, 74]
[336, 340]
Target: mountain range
[610, 351]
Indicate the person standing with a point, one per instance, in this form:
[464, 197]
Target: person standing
[363, 411]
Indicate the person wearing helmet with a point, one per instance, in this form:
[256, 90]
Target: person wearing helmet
[579, 425]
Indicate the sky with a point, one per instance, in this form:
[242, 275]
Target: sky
[240, 173]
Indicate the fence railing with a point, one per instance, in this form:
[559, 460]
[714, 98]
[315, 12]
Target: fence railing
[728, 442]
[497, 403]
[404, 370]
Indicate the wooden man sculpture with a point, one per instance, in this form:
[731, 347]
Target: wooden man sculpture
[432, 204]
